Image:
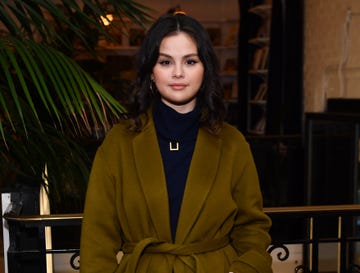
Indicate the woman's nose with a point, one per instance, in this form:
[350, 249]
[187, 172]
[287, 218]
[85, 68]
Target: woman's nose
[178, 71]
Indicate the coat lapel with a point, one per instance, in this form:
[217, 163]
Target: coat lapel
[201, 177]
[152, 178]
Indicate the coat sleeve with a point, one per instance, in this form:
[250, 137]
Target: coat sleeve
[100, 234]
[250, 236]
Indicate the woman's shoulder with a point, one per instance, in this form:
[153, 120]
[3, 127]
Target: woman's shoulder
[233, 140]
[119, 132]
[230, 132]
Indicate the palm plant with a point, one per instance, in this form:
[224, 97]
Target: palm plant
[49, 106]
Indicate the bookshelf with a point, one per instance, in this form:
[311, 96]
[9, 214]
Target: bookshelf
[257, 15]
[270, 95]
[224, 35]
[270, 67]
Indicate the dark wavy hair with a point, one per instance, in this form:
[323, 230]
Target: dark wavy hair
[209, 97]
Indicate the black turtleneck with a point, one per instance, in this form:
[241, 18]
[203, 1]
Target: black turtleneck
[172, 126]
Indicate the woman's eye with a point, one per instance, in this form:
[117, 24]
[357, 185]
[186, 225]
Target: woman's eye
[164, 62]
[191, 62]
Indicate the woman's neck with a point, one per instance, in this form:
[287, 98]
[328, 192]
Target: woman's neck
[182, 108]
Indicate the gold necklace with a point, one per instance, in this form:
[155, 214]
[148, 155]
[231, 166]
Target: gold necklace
[172, 147]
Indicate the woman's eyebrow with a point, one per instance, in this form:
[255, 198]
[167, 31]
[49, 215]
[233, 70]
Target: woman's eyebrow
[185, 56]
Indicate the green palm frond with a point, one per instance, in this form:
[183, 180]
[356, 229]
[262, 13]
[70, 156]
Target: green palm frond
[49, 105]
[27, 155]
[44, 75]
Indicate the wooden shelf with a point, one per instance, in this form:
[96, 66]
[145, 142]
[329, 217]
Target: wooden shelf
[259, 72]
[261, 10]
[260, 41]
[258, 102]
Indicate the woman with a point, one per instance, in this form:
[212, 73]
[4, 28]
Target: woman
[174, 187]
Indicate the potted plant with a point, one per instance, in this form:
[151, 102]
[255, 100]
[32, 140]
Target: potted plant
[51, 109]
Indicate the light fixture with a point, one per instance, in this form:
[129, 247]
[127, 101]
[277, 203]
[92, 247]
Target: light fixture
[107, 19]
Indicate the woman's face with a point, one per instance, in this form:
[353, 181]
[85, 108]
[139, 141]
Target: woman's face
[178, 72]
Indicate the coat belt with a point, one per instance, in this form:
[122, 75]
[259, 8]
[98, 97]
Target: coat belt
[184, 251]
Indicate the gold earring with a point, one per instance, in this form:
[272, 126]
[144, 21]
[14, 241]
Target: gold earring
[151, 88]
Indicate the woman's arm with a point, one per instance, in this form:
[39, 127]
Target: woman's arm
[100, 234]
[250, 235]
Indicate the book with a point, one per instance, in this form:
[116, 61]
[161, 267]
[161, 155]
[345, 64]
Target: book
[257, 58]
[230, 65]
[265, 27]
[265, 57]
[261, 92]
[231, 37]
[260, 59]
[260, 126]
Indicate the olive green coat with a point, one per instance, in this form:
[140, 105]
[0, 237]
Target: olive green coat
[127, 208]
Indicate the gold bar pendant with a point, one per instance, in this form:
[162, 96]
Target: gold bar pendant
[176, 148]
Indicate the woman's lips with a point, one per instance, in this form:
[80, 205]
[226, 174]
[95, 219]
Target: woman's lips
[178, 86]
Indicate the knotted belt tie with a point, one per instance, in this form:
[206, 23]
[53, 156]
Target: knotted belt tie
[153, 245]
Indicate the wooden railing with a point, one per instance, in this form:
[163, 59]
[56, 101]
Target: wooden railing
[312, 227]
